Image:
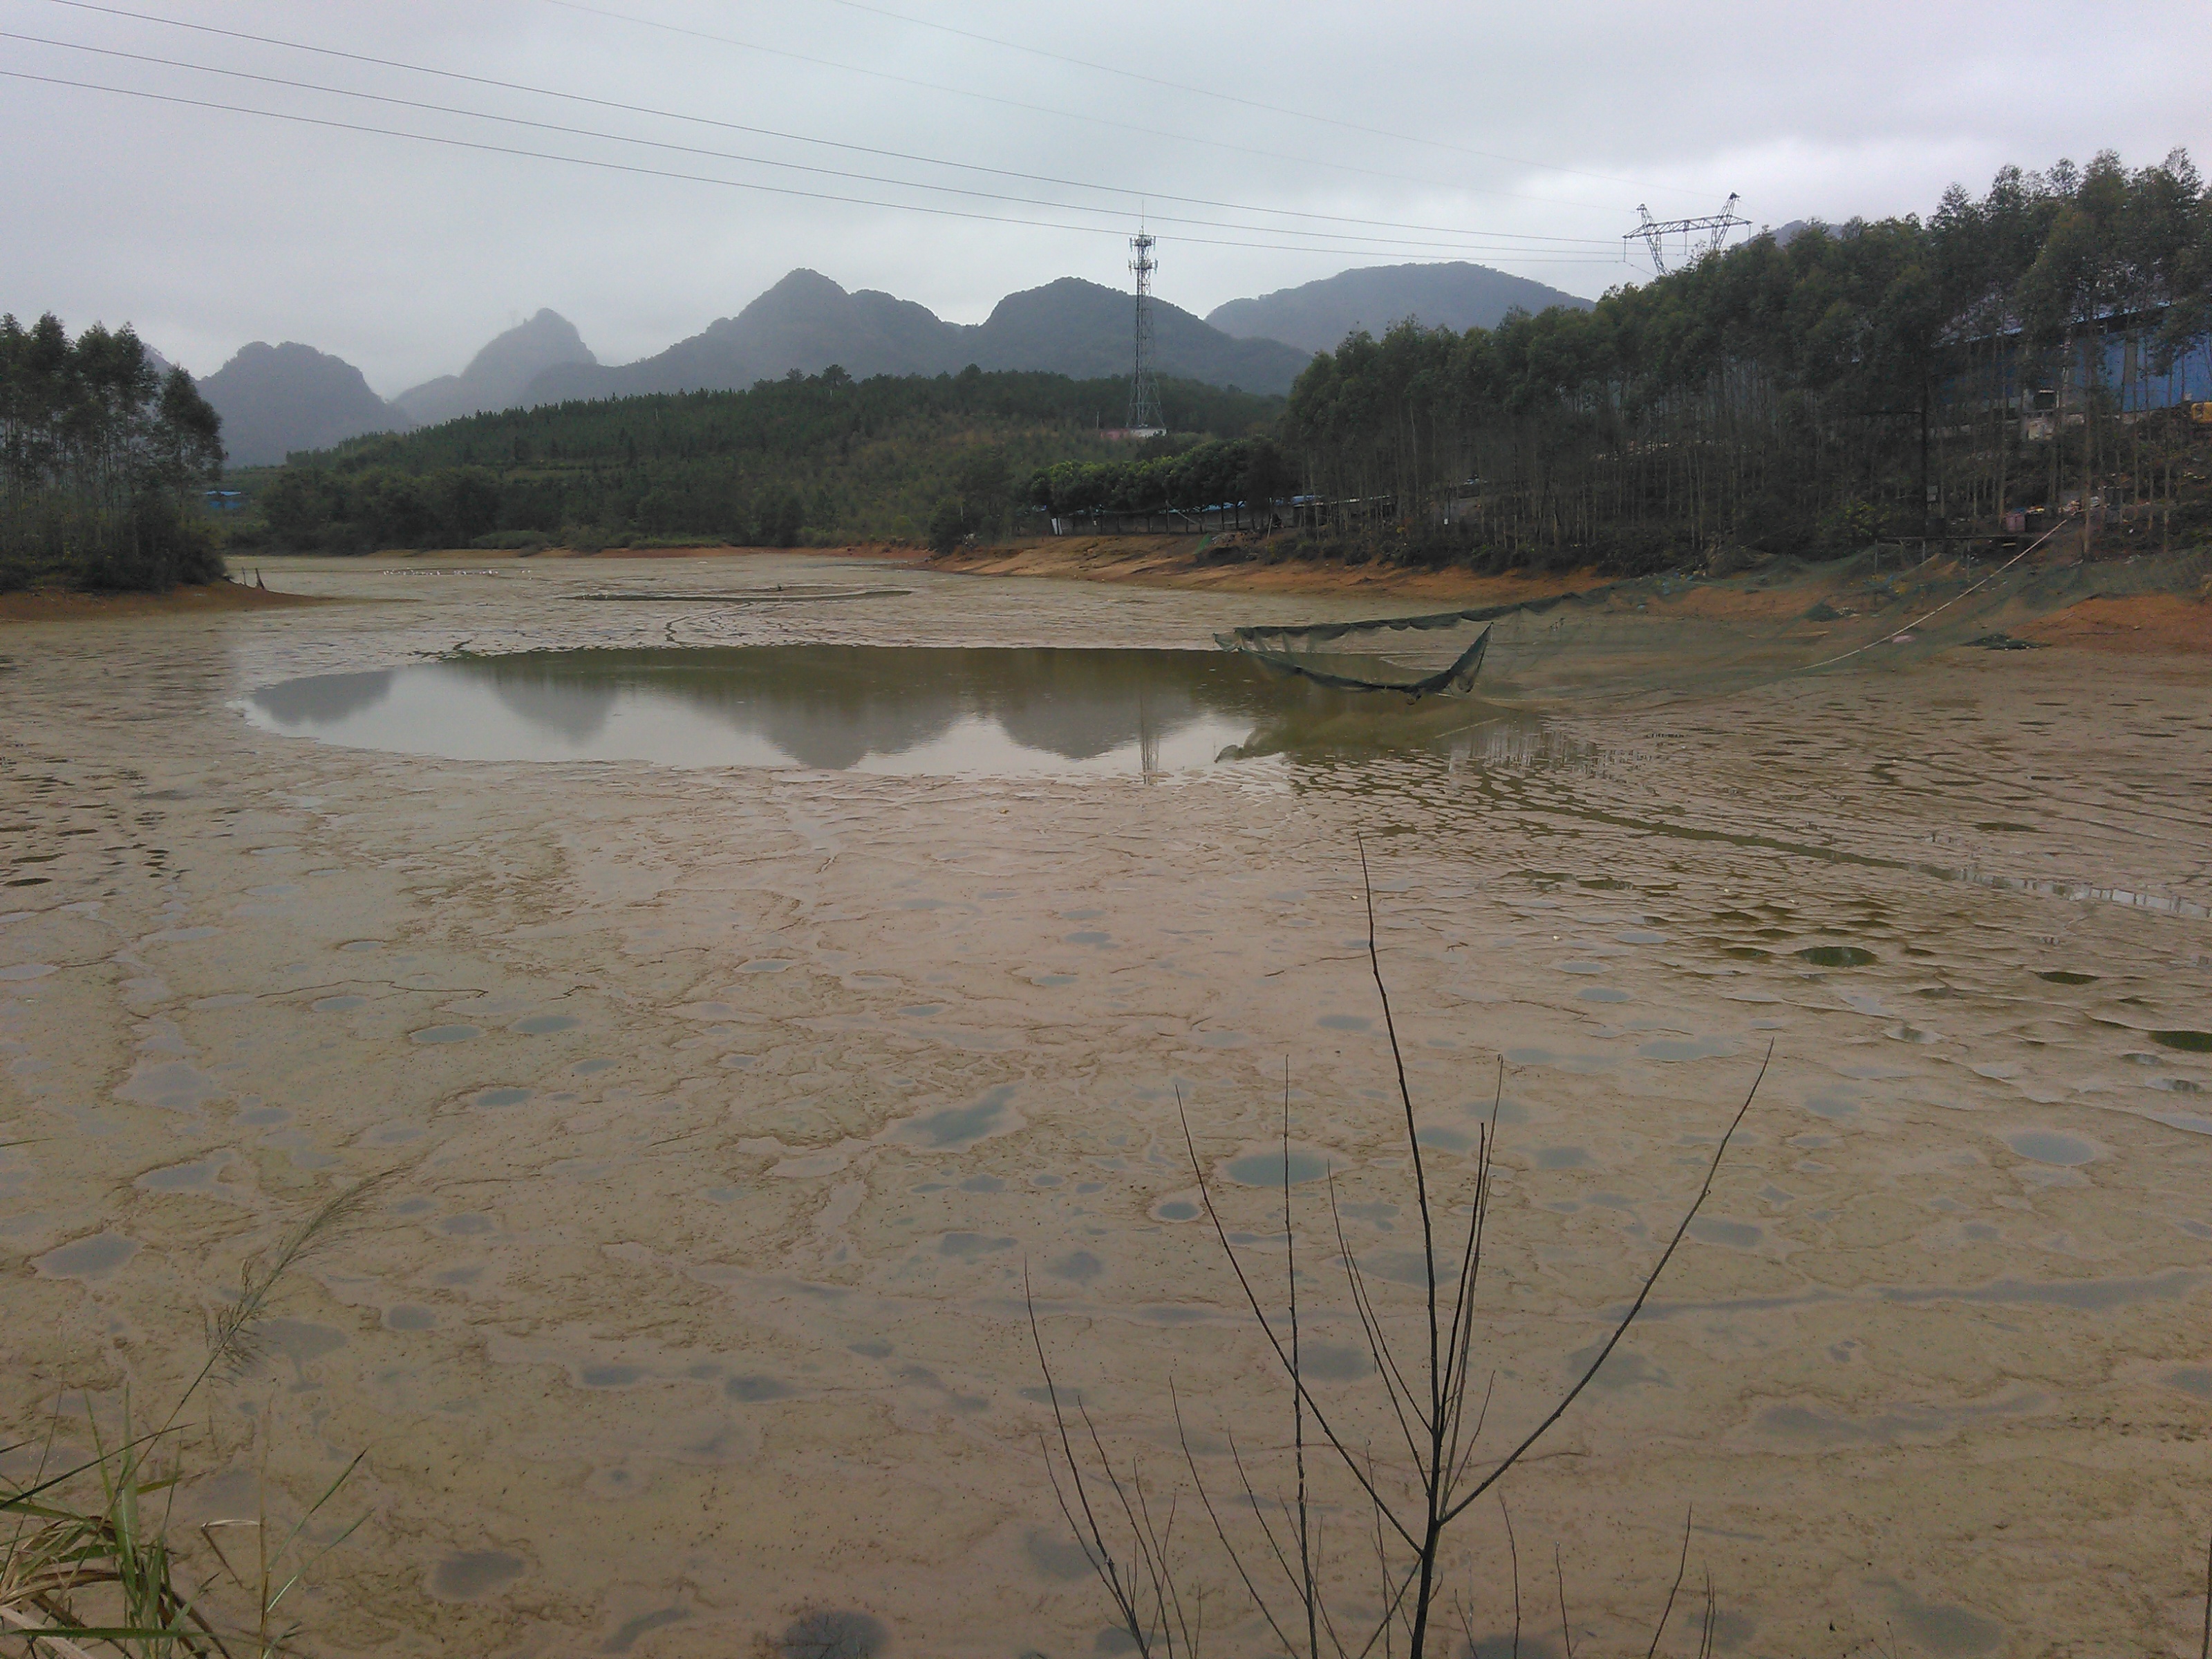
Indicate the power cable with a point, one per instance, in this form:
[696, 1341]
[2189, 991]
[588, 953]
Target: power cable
[1468, 246]
[802, 138]
[688, 178]
[1040, 109]
[1233, 98]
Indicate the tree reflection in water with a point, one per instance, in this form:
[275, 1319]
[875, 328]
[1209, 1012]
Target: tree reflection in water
[838, 707]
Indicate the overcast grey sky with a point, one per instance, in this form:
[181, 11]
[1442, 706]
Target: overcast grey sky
[1521, 136]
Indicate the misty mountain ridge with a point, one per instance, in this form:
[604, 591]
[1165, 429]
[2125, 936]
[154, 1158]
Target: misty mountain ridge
[807, 322]
[1317, 315]
[500, 375]
[274, 399]
[277, 399]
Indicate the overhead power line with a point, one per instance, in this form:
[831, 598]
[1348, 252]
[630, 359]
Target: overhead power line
[731, 40]
[637, 171]
[1499, 243]
[1231, 97]
[1148, 130]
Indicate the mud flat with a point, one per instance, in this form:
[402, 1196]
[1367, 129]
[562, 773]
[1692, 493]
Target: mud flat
[211, 599]
[729, 1102]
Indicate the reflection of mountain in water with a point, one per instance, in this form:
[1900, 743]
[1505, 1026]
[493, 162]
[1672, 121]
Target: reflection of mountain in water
[951, 711]
[831, 707]
[325, 699]
[1082, 704]
[574, 707]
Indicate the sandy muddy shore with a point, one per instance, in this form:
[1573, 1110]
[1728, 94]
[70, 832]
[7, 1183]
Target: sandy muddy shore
[207, 599]
[728, 1106]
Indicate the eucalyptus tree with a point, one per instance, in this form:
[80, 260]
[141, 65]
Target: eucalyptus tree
[1783, 394]
[100, 459]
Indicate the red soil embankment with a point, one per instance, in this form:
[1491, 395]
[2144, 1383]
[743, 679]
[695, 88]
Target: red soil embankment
[2150, 624]
[213, 598]
[1175, 562]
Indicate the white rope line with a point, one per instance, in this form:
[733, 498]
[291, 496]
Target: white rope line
[1898, 633]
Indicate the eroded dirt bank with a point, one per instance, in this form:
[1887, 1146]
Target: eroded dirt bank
[206, 599]
[2140, 623]
[728, 1108]
[1181, 561]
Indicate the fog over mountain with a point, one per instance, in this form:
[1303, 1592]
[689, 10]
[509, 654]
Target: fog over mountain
[277, 399]
[1317, 315]
[500, 375]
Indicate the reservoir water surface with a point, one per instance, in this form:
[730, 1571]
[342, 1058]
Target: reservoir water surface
[896, 709]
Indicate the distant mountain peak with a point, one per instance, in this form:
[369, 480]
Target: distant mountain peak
[1059, 290]
[547, 338]
[1317, 315]
[274, 399]
[802, 279]
[806, 322]
[498, 376]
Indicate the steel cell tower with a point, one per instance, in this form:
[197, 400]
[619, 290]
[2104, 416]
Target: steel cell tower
[1145, 417]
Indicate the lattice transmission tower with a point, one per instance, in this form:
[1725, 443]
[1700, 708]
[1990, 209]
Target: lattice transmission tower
[1145, 417]
[1699, 236]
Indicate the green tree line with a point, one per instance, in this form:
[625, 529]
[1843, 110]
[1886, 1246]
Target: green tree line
[810, 456]
[1252, 471]
[1876, 377]
[102, 460]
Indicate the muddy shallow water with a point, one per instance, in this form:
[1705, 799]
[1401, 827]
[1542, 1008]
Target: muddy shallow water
[728, 1103]
[947, 711]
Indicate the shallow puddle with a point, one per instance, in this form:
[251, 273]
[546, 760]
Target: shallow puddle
[2051, 1147]
[1836, 956]
[472, 1573]
[1269, 1169]
[898, 709]
[92, 1257]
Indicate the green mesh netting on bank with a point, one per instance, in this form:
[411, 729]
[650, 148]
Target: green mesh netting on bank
[1692, 634]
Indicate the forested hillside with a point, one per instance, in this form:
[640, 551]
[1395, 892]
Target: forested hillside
[815, 458]
[2012, 354]
[1900, 376]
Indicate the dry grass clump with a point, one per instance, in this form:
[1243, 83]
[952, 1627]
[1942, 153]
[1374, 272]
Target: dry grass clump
[89, 1565]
